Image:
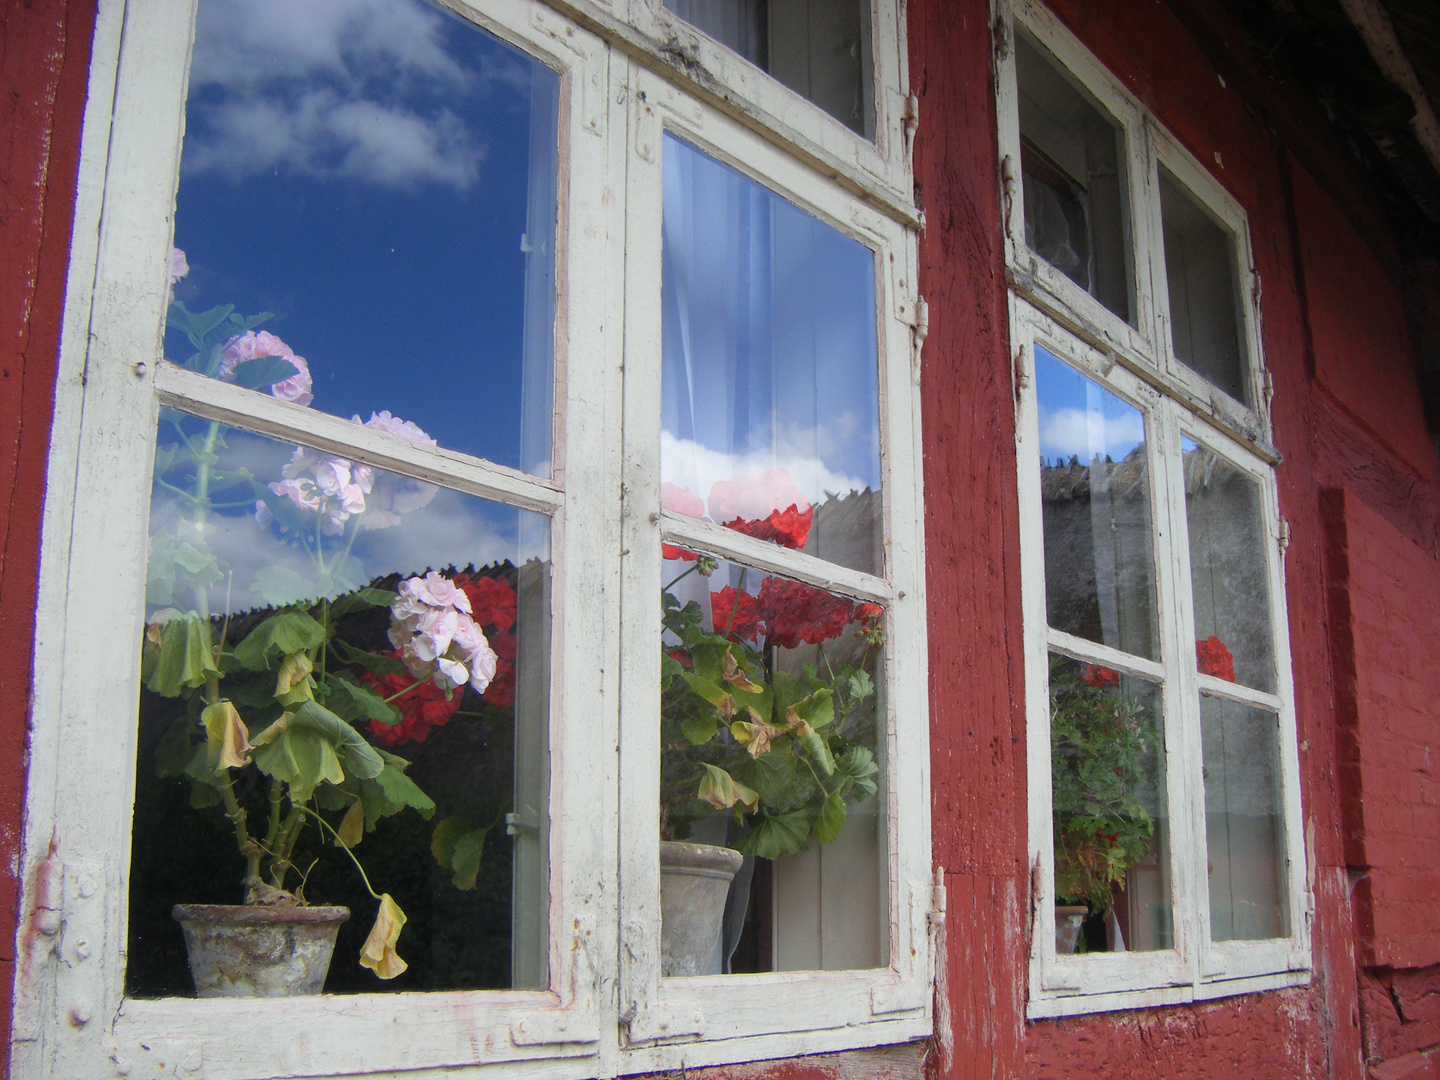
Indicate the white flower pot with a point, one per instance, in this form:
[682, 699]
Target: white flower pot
[255, 951]
[694, 882]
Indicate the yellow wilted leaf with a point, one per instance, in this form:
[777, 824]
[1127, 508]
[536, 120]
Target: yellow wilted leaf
[735, 675]
[294, 684]
[352, 827]
[797, 725]
[754, 737]
[378, 953]
[226, 736]
[722, 791]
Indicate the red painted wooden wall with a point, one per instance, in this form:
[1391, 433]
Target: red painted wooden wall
[44, 61]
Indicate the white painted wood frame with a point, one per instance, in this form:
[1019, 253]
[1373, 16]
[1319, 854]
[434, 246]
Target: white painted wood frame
[689, 1022]
[877, 171]
[606, 1010]
[1197, 967]
[1144, 347]
[75, 1020]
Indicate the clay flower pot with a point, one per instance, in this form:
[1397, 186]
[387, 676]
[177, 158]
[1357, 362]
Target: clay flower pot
[694, 882]
[254, 951]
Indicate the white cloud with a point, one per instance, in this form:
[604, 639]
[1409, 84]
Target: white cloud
[692, 465]
[1087, 434]
[355, 89]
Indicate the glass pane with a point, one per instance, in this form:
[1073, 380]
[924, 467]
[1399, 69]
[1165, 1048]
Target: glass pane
[1111, 821]
[1244, 827]
[1204, 291]
[772, 699]
[1229, 578]
[1095, 494]
[1072, 154]
[818, 48]
[380, 179]
[272, 620]
[771, 387]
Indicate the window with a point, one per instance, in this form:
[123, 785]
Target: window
[407, 393]
[1164, 803]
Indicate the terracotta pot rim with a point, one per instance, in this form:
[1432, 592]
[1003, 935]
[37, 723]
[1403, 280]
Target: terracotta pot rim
[257, 914]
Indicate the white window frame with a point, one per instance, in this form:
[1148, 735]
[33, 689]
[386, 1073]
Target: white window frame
[796, 1012]
[1145, 347]
[606, 1010]
[1196, 968]
[878, 171]
[1138, 364]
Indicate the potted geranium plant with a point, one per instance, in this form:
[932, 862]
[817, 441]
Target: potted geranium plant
[270, 699]
[783, 746]
[1102, 747]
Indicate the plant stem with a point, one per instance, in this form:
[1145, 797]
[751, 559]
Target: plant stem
[341, 843]
[412, 686]
[695, 566]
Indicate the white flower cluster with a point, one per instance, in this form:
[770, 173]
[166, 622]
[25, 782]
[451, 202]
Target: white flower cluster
[432, 628]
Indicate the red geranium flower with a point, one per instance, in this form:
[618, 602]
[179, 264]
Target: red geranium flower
[421, 710]
[796, 612]
[1215, 659]
[1102, 678]
[764, 504]
[746, 624]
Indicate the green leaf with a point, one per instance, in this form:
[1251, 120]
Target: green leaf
[699, 729]
[858, 763]
[357, 755]
[176, 747]
[351, 700]
[818, 709]
[861, 686]
[774, 836]
[393, 791]
[193, 325]
[263, 372]
[381, 665]
[831, 819]
[466, 862]
[361, 599]
[710, 691]
[185, 660]
[771, 775]
[458, 847]
[720, 790]
[282, 634]
[277, 585]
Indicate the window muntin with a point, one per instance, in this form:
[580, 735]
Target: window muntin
[821, 49]
[327, 163]
[1206, 326]
[1076, 200]
[771, 410]
[304, 552]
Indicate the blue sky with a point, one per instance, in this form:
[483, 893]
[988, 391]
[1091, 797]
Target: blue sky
[361, 170]
[1078, 417]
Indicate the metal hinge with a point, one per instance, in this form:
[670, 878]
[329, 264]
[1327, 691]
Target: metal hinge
[1269, 387]
[920, 331]
[910, 118]
[1284, 537]
[935, 914]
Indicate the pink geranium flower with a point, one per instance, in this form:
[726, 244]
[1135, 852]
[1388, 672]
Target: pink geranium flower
[179, 267]
[252, 346]
[430, 624]
[395, 495]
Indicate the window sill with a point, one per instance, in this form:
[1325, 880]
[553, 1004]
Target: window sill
[1054, 1005]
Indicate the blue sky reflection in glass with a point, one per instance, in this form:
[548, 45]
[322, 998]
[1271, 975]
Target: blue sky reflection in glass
[381, 177]
[771, 379]
[1079, 418]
